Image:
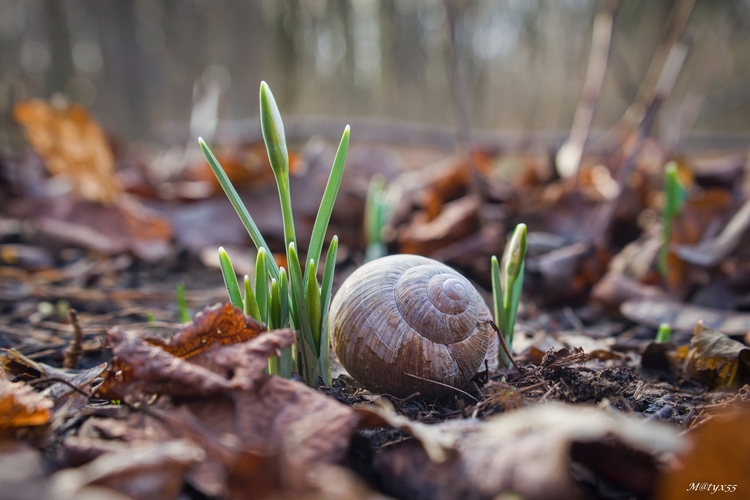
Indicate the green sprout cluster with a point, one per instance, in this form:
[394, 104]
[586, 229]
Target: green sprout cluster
[379, 206]
[507, 286]
[293, 298]
[674, 197]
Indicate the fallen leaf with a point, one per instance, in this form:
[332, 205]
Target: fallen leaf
[456, 220]
[22, 472]
[683, 317]
[711, 252]
[717, 461]
[123, 225]
[155, 471]
[220, 324]
[139, 367]
[21, 406]
[615, 288]
[716, 360]
[529, 452]
[73, 145]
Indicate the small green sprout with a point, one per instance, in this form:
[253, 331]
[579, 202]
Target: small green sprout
[674, 198]
[295, 300]
[182, 308]
[507, 286]
[379, 206]
[664, 334]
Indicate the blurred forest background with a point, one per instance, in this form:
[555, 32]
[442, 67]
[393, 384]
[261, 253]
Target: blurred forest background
[139, 65]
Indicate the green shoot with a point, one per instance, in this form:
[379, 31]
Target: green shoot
[261, 284]
[251, 305]
[230, 279]
[294, 299]
[674, 198]
[507, 286]
[664, 334]
[379, 205]
[182, 308]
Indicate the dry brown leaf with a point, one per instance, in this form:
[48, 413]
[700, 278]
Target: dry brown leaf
[529, 452]
[301, 425]
[718, 461]
[155, 471]
[220, 344]
[457, 220]
[220, 324]
[716, 360]
[139, 367]
[21, 406]
[123, 225]
[22, 473]
[72, 144]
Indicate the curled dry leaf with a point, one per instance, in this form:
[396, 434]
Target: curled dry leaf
[683, 317]
[220, 324]
[301, 426]
[138, 367]
[529, 452]
[716, 360]
[155, 471]
[215, 343]
[21, 406]
[72, 144]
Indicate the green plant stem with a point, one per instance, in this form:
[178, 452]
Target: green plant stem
[236, 202]
[230, 279]
[182, 307]
[664, 334]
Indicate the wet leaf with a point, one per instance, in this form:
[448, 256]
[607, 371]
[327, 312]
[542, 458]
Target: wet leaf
[72, 144]
[21, 406]
[716, 360]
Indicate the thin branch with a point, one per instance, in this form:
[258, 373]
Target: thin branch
[505, 348]
[60, 380]
[604, 213]
[569, 156]
[460, 97]
[441, 384]
[75, 348]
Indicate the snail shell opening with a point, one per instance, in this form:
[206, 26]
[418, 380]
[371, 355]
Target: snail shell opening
[404, 318]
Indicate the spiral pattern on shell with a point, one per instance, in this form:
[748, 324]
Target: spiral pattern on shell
[405, 316]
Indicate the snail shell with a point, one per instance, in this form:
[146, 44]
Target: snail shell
[404, 316]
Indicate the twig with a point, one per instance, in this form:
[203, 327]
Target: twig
[505, 348]
[61, 381]
[441, 384]
[602, 217]
[569, 156]
[75, 348]
[676, 23]
[532, 386]
[460, 96]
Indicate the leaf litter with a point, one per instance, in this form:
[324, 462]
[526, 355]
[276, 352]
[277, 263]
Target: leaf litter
[162, 410]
